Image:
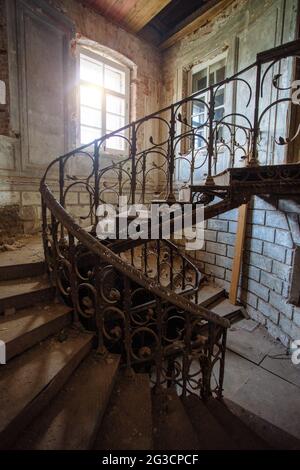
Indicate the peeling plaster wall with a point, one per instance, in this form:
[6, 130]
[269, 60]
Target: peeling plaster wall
[243, 30]
[21, 167]
[255, 25]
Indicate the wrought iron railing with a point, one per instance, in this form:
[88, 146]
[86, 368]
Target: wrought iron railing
[132, 314]
[245, 135]
[129, 307]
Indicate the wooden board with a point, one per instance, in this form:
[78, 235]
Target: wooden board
[132, 14]
[238, 253]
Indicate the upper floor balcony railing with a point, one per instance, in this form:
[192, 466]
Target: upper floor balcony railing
[186, 151]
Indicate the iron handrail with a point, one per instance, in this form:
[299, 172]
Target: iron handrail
[107, 255]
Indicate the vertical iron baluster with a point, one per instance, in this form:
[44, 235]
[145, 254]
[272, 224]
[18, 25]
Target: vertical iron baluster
[206, 364]
[222, 363]
[61, 182]
[133, 162]
[232, 148]
[73, 277]
[186, 353]
[171, 196]
[145, 257]
[171, 266]
[99, 307]
[55, 249]
[209, 178]
[126, 307]
[158, 260]
[44, 232]
[96, 180]
[144, 178]
[254, 154]
[61, 190]
[159, 352]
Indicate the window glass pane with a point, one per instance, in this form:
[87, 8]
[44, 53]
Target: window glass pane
[219, 98]
[115, 143]
[199, 80]
[114, 122]
[199, 139]
[219, 113]
[221, 74]
[211, 78]
[90, 96]
[198, 120]
[90, 117]
[115, 105]
[88, 134]
[217, 72]
[198, 107]
[90, 70]
[114, 79]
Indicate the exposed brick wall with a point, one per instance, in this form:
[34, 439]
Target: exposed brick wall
[272, 234]
[4, 109]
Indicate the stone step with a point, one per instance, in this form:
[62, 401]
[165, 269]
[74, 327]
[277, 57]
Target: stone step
[211, 434]
[127, 424]
[73, 417]
[21, 293]
[244, 437]
[20, 271]
[29, 381]
[173, 429]
[31, 325]
[275, 437]
[209, 294]
[225, 308]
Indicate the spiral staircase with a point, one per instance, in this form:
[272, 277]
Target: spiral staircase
[121, 343]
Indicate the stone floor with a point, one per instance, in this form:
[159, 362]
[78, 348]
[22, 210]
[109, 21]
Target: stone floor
[260, 377]
[27, 249]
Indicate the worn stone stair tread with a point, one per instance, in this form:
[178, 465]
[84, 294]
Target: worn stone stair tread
[275, 437]
[20, 293]
[31, 325]
[245, 438]
[30, 380]
[209, 293]
[21, 270]
[211, 434]
[73, 417]
[127, 423]
[224, 307]
[173, 429]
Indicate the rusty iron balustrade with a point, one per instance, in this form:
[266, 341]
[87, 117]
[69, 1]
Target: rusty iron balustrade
[102, 288]
[132, 311]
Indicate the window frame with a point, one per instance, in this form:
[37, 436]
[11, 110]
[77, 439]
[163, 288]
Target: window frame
[102, 59]
[198, 68]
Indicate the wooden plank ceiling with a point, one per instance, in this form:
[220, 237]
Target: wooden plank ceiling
[160, 22]
[132, 14]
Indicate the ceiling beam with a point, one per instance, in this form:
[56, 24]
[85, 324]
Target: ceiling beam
[142, 12]
[194, 21]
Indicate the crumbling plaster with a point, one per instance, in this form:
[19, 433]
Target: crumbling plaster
[19, 176]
